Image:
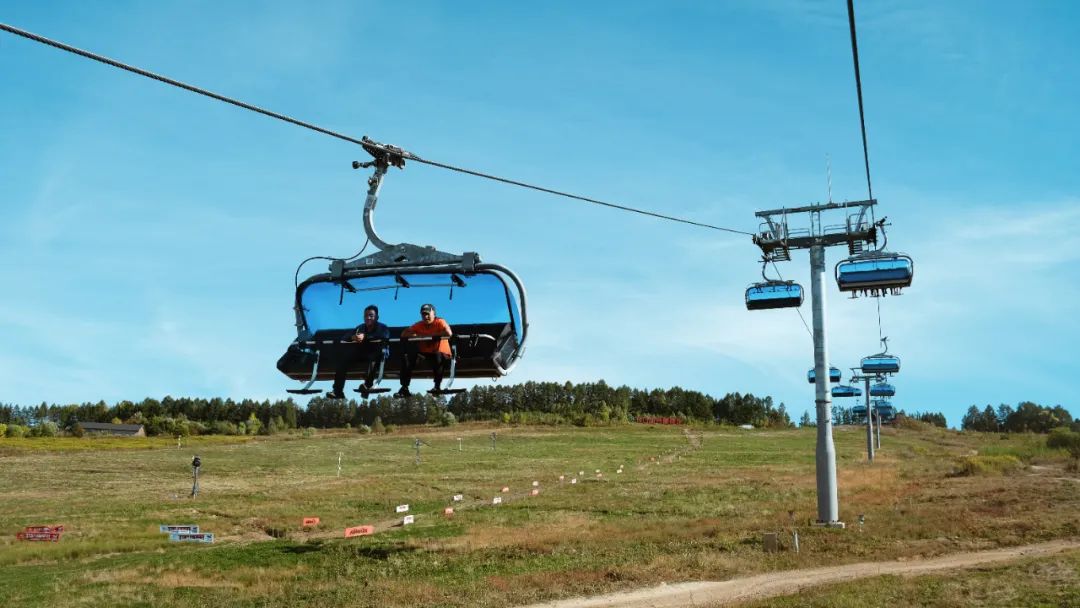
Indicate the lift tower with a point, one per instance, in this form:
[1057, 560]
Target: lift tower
[776, 240]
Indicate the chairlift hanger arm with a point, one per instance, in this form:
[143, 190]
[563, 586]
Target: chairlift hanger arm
[819, 207]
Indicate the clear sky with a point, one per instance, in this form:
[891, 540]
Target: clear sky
[149, 236]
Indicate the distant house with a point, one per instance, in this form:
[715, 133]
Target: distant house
[105, 428]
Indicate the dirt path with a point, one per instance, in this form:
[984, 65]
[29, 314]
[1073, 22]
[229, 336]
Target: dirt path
[789, 582]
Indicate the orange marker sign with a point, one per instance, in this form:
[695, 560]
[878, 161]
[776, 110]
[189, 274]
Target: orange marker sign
[448, 511]
[359, 531]
[505, 489]
[311, 521]
[534, 492]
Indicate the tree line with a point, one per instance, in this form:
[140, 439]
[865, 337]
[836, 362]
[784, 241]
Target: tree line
[582, 404]
[1027, 417]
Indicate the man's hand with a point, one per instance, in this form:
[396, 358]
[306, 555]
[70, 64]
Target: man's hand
[359, 337]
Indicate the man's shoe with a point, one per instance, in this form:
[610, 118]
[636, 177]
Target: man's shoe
[334, 395]
[403, 393]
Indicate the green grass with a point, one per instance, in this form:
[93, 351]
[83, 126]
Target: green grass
[1040, 583]
[690, 514]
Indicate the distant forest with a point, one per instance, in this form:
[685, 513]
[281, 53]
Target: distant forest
[585, 404]
[1028, 417]
[553, 403]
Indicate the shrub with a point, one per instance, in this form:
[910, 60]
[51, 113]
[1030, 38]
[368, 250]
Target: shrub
[390, 428]
[988, 465]
[448, 419]
[1064, 438]
[377, 426]
[3, 430]
[363, 429]
[77, 430]
[17, 430]
[309, 431]
[45, 429]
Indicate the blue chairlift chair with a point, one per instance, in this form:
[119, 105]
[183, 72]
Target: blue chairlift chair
[834, 375]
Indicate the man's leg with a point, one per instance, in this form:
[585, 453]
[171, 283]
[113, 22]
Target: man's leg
[408, 362]
[373, 361]
[438, 365]
[347, 356]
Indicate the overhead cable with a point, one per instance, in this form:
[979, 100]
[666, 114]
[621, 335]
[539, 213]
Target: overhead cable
[858, 91]
[307, 125]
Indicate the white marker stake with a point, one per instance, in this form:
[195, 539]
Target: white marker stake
[619, 471]
[458, 497]
[536, 484]
[597, 470]
[562, 478]
[497, 500]
[574, 480]
[401, 509]
[581, 473]
[408, 520]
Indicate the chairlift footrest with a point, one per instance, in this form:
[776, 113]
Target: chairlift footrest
[303, 391]
[371, 391]
[448, 391]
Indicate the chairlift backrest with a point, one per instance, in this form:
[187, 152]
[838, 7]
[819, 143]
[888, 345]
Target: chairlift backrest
[774, 294]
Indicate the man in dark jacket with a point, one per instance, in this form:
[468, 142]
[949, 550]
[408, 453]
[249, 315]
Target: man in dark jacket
[369, 343]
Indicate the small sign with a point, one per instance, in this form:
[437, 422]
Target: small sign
[178, 528]
[192, 537]
[534, 492]
[505, 489]
[581, 473]
[402, 508]
[597, 470]
[38, 536]
[497, 500]
[536, 484]
[359, 531]
[448, 511]
[311, 521]
[599, 475]
[458, 497]
[619, 471]
[408, 519]
[574, 480]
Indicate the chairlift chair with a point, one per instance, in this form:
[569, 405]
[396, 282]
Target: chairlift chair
[875, 273]
[772, 293]
[844, 390]
[881, 363]
[834, 375]
[858, 411]
[882, 389]
[484, 304]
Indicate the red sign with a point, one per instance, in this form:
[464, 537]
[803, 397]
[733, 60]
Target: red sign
[448, 511]
[311, 521]
[359, 531]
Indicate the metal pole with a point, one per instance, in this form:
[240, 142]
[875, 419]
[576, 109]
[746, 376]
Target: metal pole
[828, 509]
[869, 425]
[878, 428]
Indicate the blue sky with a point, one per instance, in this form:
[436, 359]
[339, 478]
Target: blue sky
[150, 236]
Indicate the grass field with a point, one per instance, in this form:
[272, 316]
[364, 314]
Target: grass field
[689, 505]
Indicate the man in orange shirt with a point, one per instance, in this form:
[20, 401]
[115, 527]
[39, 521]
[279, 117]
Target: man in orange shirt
[436, 350]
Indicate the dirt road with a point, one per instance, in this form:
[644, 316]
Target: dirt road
[791, 581]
